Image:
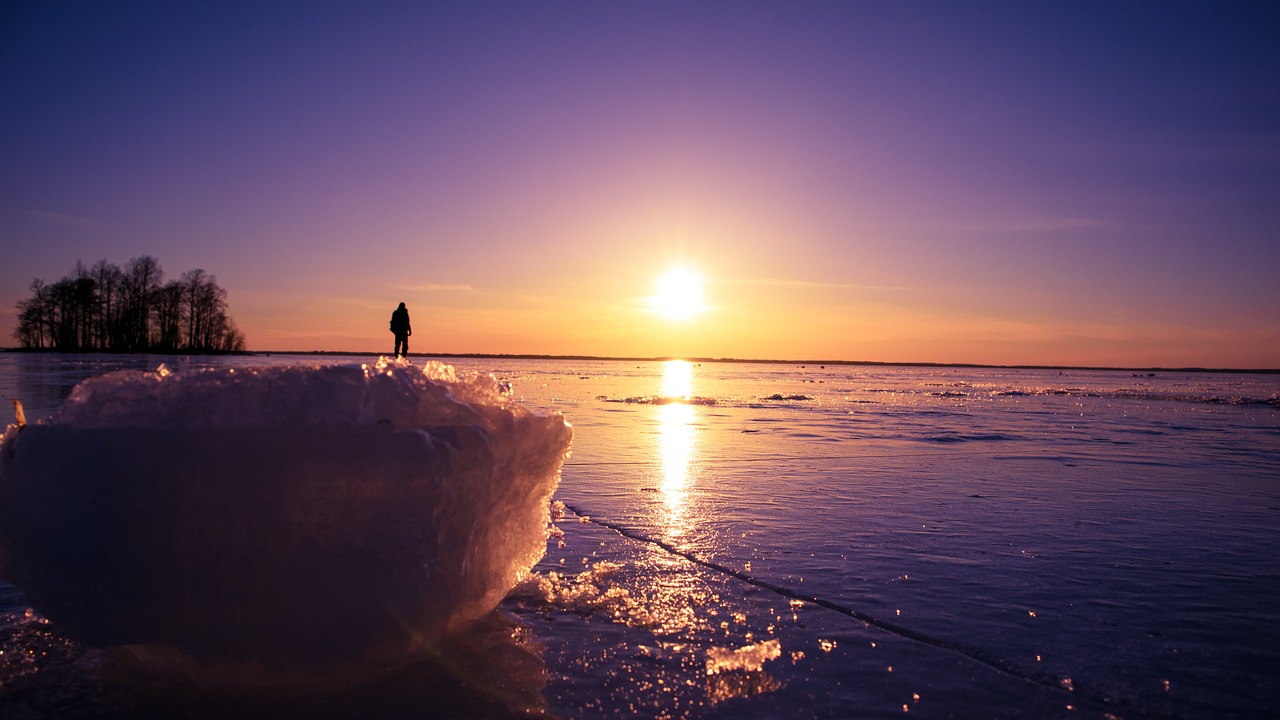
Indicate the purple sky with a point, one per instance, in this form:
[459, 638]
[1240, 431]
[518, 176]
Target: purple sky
[1079, 183]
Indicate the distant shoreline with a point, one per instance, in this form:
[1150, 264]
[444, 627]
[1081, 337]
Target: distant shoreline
[758, 361]
[863, 363]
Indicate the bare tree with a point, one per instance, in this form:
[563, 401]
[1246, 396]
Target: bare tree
[109, 280]
[142, 279]
[33, 317]
[168, 306]
[105, 308]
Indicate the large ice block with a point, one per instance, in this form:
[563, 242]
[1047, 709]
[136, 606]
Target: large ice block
[282, 515]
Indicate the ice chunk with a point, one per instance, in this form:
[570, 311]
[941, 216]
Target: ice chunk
[279, 515]
[749, 658]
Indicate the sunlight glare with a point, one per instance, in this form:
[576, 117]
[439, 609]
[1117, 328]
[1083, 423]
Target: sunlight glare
[679, 294]
[677, 379]
[676, 441]
[677, 430]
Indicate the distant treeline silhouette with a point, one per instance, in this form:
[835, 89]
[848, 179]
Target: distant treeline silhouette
[132, 310]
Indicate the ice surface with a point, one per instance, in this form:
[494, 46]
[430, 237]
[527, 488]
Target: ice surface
[594, 591]
[286, 516]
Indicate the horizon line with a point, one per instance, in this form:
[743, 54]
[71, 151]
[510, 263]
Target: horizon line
[664, 358]
[777, 361]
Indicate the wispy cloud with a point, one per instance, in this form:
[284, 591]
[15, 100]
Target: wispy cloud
[1032, 225]
[433, 287]
[802, 284]
[66, 220]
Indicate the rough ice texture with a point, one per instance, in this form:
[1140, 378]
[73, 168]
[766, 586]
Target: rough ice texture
[281, 515]
[750, 658]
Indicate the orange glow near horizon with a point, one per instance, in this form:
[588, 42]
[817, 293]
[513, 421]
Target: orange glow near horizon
[754, 317]
[748, 325]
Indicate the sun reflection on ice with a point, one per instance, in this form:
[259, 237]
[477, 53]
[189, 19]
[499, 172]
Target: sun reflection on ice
[705, 648]
[676, 440]
[677, 432]
[677, 379]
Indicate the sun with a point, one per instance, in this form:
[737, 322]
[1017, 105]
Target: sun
[678, 295]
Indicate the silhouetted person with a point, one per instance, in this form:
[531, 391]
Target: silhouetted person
[400, 326]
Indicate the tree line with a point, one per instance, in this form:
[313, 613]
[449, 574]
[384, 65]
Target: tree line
[131, 309]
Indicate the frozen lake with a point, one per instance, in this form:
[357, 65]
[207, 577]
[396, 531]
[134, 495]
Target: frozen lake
[767, 540]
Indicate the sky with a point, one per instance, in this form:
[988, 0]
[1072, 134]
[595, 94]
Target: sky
[1084, 183]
